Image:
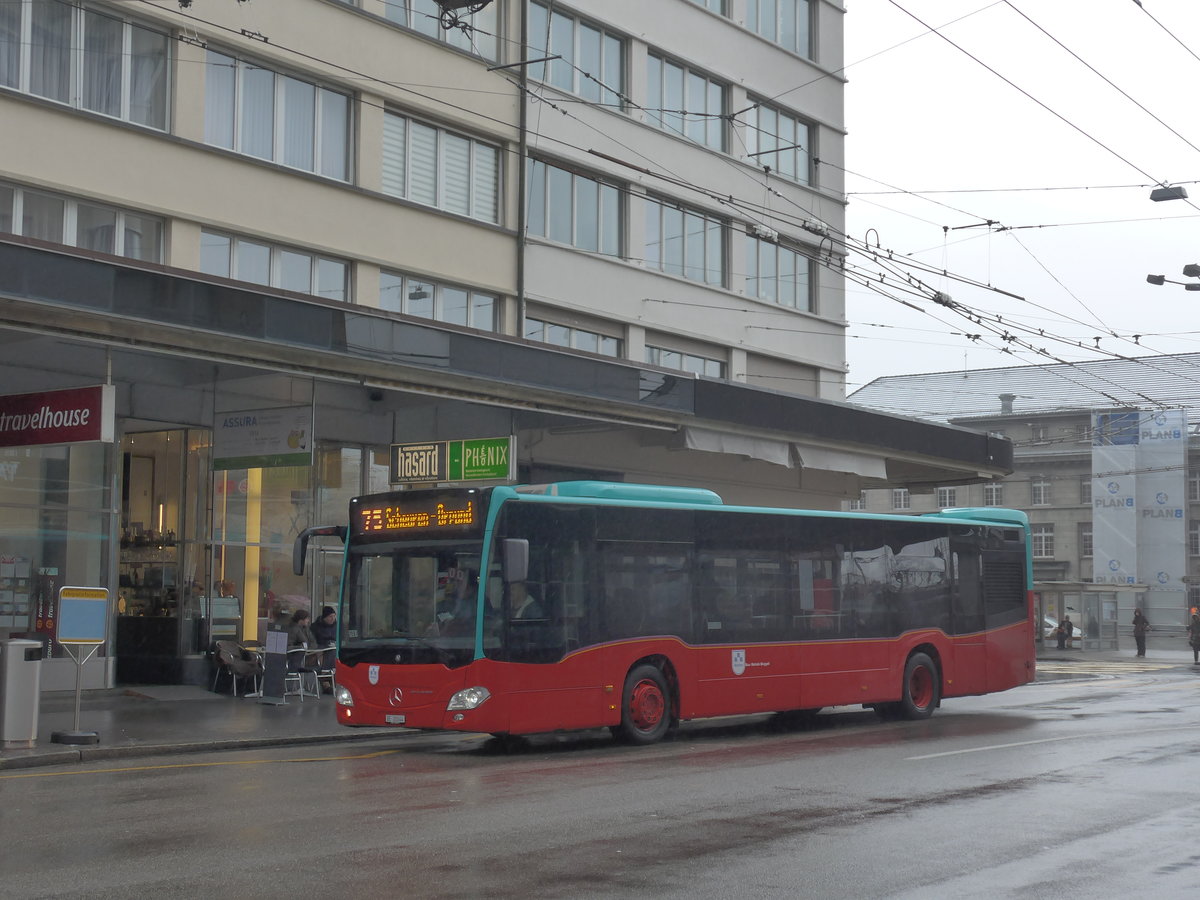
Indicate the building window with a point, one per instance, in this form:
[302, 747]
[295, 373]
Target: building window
[947, 497]
[993, 495]
[901, 498]
[86, 59]
[252, 110]
[1085, 540]
[859, 504]
[685, 102]
[575, 338]
[591, 61]
[779, 141]
[80, 223]
[1194, 485]
[777, 274]
[574, 209]
[1039, 492]
[685, 242]
[1194, 537]
[783, 21]
[287, 268]
[1085, 490]
[1043, 541]
[443, 303]
[687, 362]
[438, 168]
[1193, 595]
[481, 36]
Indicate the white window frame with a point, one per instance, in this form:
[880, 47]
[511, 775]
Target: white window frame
[599, 77]
[766, 279]
[1041, 491]
[773, 27]
[658, 235]
[555, 192]
[480, 37]
[947, 497]
[901, 498]
[1086, 540]
[403, 174]
[123, 221]
[993, 494]
[401, 292]
[329, 160]
[859, 504]
[1042, 539]
[780, 141]
[700, 119]
[77, 83]
[276, 262]
[1193, 485]
[667, 358]
[1193, 537]
[547, 332]
[1085, 490]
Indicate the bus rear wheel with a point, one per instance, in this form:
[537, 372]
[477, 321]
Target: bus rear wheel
[922, 689]
[645, 706]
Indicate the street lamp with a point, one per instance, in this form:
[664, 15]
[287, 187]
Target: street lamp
[1178, 192]
[1191, 270]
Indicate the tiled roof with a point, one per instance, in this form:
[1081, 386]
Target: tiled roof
[1147, 382]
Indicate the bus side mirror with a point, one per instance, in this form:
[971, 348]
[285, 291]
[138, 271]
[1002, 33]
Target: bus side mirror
[514, 560]
[300, 548]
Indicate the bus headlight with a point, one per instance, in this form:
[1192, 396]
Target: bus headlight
[469, 698]
[342, 696]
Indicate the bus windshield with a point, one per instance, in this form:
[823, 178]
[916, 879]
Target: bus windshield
[411, 604]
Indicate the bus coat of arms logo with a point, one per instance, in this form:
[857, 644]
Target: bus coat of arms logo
[739, 662]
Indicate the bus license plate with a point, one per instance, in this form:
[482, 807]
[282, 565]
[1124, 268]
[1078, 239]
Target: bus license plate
[394, 720]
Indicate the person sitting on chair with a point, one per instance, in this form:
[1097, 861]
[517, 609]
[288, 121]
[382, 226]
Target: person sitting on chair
[325, 631]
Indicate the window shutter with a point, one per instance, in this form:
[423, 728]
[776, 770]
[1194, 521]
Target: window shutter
[393, 155]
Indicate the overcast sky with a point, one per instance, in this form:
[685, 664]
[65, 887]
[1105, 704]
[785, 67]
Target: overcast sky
[951, 145]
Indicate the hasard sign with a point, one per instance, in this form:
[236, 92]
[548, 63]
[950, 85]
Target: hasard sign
[71, 416]
[480, 459]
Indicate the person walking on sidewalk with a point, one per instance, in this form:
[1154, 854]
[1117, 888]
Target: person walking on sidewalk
[1069, 627]
[1194, 638]
[1140, 626]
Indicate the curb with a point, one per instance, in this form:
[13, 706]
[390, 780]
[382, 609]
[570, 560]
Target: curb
[29, 759]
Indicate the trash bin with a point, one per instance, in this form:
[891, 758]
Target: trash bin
[20, 686]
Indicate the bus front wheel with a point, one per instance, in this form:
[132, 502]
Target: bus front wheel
[645, 706]
[922, 688]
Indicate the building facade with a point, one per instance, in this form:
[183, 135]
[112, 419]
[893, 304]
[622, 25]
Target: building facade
[1086, 469]
[269, 240]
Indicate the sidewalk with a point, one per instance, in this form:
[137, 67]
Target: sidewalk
[148, 720]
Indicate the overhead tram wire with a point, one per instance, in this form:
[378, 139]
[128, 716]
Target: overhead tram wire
[1099, 74]
[1034, 99]
[401, 87]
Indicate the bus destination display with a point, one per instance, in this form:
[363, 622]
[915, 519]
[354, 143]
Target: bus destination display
[453, 514]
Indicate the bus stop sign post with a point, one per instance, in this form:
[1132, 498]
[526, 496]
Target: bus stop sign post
[82, 617]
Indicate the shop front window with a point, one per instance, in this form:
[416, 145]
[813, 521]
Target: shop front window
[54, 530]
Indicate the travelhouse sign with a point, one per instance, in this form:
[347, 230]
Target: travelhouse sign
[479, 459]
[71, 416]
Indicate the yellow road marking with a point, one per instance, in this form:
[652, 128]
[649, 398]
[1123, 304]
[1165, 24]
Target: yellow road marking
[196, 765]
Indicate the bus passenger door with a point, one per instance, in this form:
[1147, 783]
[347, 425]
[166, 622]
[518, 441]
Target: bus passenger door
[967, 672]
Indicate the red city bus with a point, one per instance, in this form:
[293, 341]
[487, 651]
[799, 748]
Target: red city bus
[518, 610]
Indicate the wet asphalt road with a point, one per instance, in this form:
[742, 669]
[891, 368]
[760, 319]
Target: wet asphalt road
[1083, 787]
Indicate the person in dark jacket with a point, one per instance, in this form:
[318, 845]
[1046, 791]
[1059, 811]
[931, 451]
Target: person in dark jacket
[1140, 626]
[325, 631]
[325, 628]
[1194, 638]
